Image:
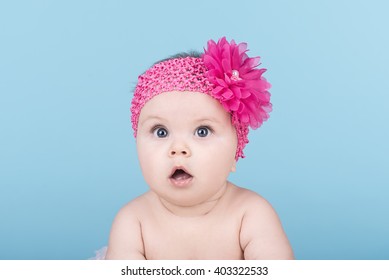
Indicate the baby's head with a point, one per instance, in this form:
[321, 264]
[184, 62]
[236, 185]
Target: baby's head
[224, 72]
[191, 116]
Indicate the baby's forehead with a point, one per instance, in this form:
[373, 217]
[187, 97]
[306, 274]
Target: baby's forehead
[185, 99]
[188, 105]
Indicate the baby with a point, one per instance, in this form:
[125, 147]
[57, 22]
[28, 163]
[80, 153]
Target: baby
[191, 115]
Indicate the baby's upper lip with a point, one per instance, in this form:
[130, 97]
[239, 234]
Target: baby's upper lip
[179, 167]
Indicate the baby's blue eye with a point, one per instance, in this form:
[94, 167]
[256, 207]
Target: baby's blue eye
[202, 131]
[160, 132]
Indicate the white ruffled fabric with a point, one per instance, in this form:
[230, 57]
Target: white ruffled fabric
[100, 254]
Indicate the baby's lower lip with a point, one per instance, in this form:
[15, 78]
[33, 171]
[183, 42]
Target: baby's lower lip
[181, 183]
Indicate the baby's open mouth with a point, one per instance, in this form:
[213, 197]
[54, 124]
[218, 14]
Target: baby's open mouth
[180, 174]
[180, 177]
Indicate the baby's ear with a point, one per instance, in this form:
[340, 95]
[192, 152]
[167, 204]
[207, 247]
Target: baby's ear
[233, 167]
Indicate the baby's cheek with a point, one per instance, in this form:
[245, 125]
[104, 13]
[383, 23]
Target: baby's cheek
[146, 160]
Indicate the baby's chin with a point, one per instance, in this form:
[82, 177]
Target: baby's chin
[181, 200]
[187, 204]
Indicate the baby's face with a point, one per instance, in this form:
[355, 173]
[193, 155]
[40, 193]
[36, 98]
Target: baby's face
[186, 147]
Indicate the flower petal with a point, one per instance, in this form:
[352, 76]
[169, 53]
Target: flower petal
[211, 63]
[236, 91]
[227, 94]
[247, 97]
[221, 82]
[226, 63]
[233, 104]
[217, 90]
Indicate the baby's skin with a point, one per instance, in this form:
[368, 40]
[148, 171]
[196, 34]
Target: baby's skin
[186, 148]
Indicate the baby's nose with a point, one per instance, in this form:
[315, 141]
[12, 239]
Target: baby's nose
[179, 150]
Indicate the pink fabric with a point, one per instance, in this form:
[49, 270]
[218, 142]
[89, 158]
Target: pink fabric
[238, 86]
[224, 72]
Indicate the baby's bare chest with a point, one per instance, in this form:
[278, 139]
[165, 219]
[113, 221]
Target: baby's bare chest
[192, 239]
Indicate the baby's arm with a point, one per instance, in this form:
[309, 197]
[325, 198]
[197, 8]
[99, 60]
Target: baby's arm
[262, 236]
[125, 241]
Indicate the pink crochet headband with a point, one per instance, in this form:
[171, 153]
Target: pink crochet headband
[224, 72]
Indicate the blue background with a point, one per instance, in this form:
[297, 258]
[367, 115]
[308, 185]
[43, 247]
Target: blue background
[68, 159]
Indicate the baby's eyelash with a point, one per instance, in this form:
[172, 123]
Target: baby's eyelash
[154, 127]
[159, 131]
[206, 131]
[207, 127]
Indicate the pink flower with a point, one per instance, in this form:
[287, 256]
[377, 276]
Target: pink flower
[238, 85]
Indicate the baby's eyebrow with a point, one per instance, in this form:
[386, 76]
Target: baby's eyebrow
[195, 120]
[208, 119]
[150, 118]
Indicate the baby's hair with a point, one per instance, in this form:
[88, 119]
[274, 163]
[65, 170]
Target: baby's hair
[195, 54]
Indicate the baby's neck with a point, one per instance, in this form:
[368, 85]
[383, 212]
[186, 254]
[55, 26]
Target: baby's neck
[197, 210]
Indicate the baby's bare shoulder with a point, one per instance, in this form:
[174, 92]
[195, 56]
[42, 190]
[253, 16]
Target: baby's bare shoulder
[125, 240]
[262, 235]
[134, 206]
[248, 200]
